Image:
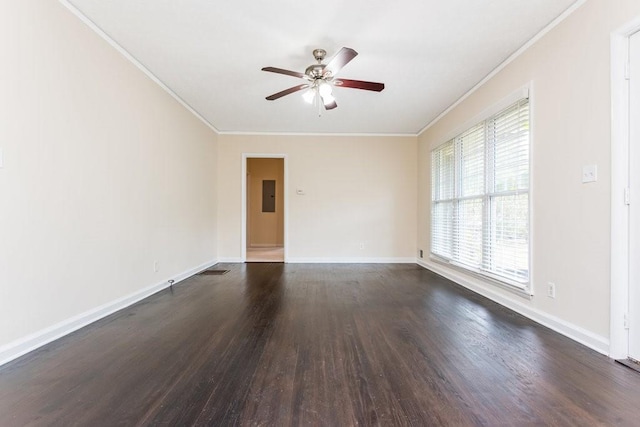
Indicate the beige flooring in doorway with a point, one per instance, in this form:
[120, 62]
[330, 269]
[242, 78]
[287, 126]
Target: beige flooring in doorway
[265, 254]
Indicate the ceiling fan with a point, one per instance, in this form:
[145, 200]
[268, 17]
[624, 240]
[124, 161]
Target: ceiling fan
[322, 77]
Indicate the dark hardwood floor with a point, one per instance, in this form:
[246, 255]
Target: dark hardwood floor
[279, 345]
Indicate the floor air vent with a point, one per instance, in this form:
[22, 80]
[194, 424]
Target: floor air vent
[214, 272]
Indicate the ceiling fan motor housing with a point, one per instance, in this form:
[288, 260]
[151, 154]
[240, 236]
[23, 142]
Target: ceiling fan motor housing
[315, 71]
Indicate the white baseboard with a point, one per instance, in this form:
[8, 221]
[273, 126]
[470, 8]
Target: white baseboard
[349, 260]
[24, 345]
[332, 260]
[576, 333]
[231, 260]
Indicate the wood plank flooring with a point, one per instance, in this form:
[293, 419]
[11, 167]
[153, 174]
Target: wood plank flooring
[265, 254]
[296, 344]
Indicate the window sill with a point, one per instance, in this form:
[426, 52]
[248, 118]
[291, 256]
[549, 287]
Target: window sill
[520, 289]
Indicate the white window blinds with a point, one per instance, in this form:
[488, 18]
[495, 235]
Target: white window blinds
[480, 197]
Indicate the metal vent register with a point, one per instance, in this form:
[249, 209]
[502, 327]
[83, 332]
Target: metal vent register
[214, 272]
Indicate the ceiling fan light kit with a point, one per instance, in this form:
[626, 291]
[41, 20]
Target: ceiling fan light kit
[320, 92]
[321, 79]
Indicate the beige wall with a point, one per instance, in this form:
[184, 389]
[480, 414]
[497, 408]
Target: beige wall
[104, 174]
[358, 190]
[570, 72]
[265, 229]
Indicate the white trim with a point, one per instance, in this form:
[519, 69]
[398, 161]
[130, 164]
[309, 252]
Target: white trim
[243, 231]
[506, 62]
[382, 135]
[517, 288]
[31, 342]
[231, 260]
[350, 260]
[619, 336]
[243, 210]
[576, 333]
[92, 25]
[532, 144]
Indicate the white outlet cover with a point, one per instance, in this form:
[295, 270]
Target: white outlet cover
[589, 173]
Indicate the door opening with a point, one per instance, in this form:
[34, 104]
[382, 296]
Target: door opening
[624, 338]
[633, 317]
[265, 206]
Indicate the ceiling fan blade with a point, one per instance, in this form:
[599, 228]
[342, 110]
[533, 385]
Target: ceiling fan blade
[341, 59]
[286, 92]
[282, 71]
[359, 84]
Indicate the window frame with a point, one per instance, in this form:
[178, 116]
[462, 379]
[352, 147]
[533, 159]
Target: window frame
[488, 199]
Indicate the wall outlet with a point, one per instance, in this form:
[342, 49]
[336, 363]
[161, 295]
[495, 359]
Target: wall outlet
[420, 253]
[551, 290]
[361, 245]
[156, 268]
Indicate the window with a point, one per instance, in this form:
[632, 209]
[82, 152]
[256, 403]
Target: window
[480, 197]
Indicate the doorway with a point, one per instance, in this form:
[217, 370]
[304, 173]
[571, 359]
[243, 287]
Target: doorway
[633, 321]
[625, 194]
[265, 207]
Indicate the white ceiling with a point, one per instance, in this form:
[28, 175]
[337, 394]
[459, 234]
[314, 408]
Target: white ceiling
[427, 52]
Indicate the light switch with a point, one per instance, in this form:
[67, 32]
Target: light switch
[300, 192]
[589, 173]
